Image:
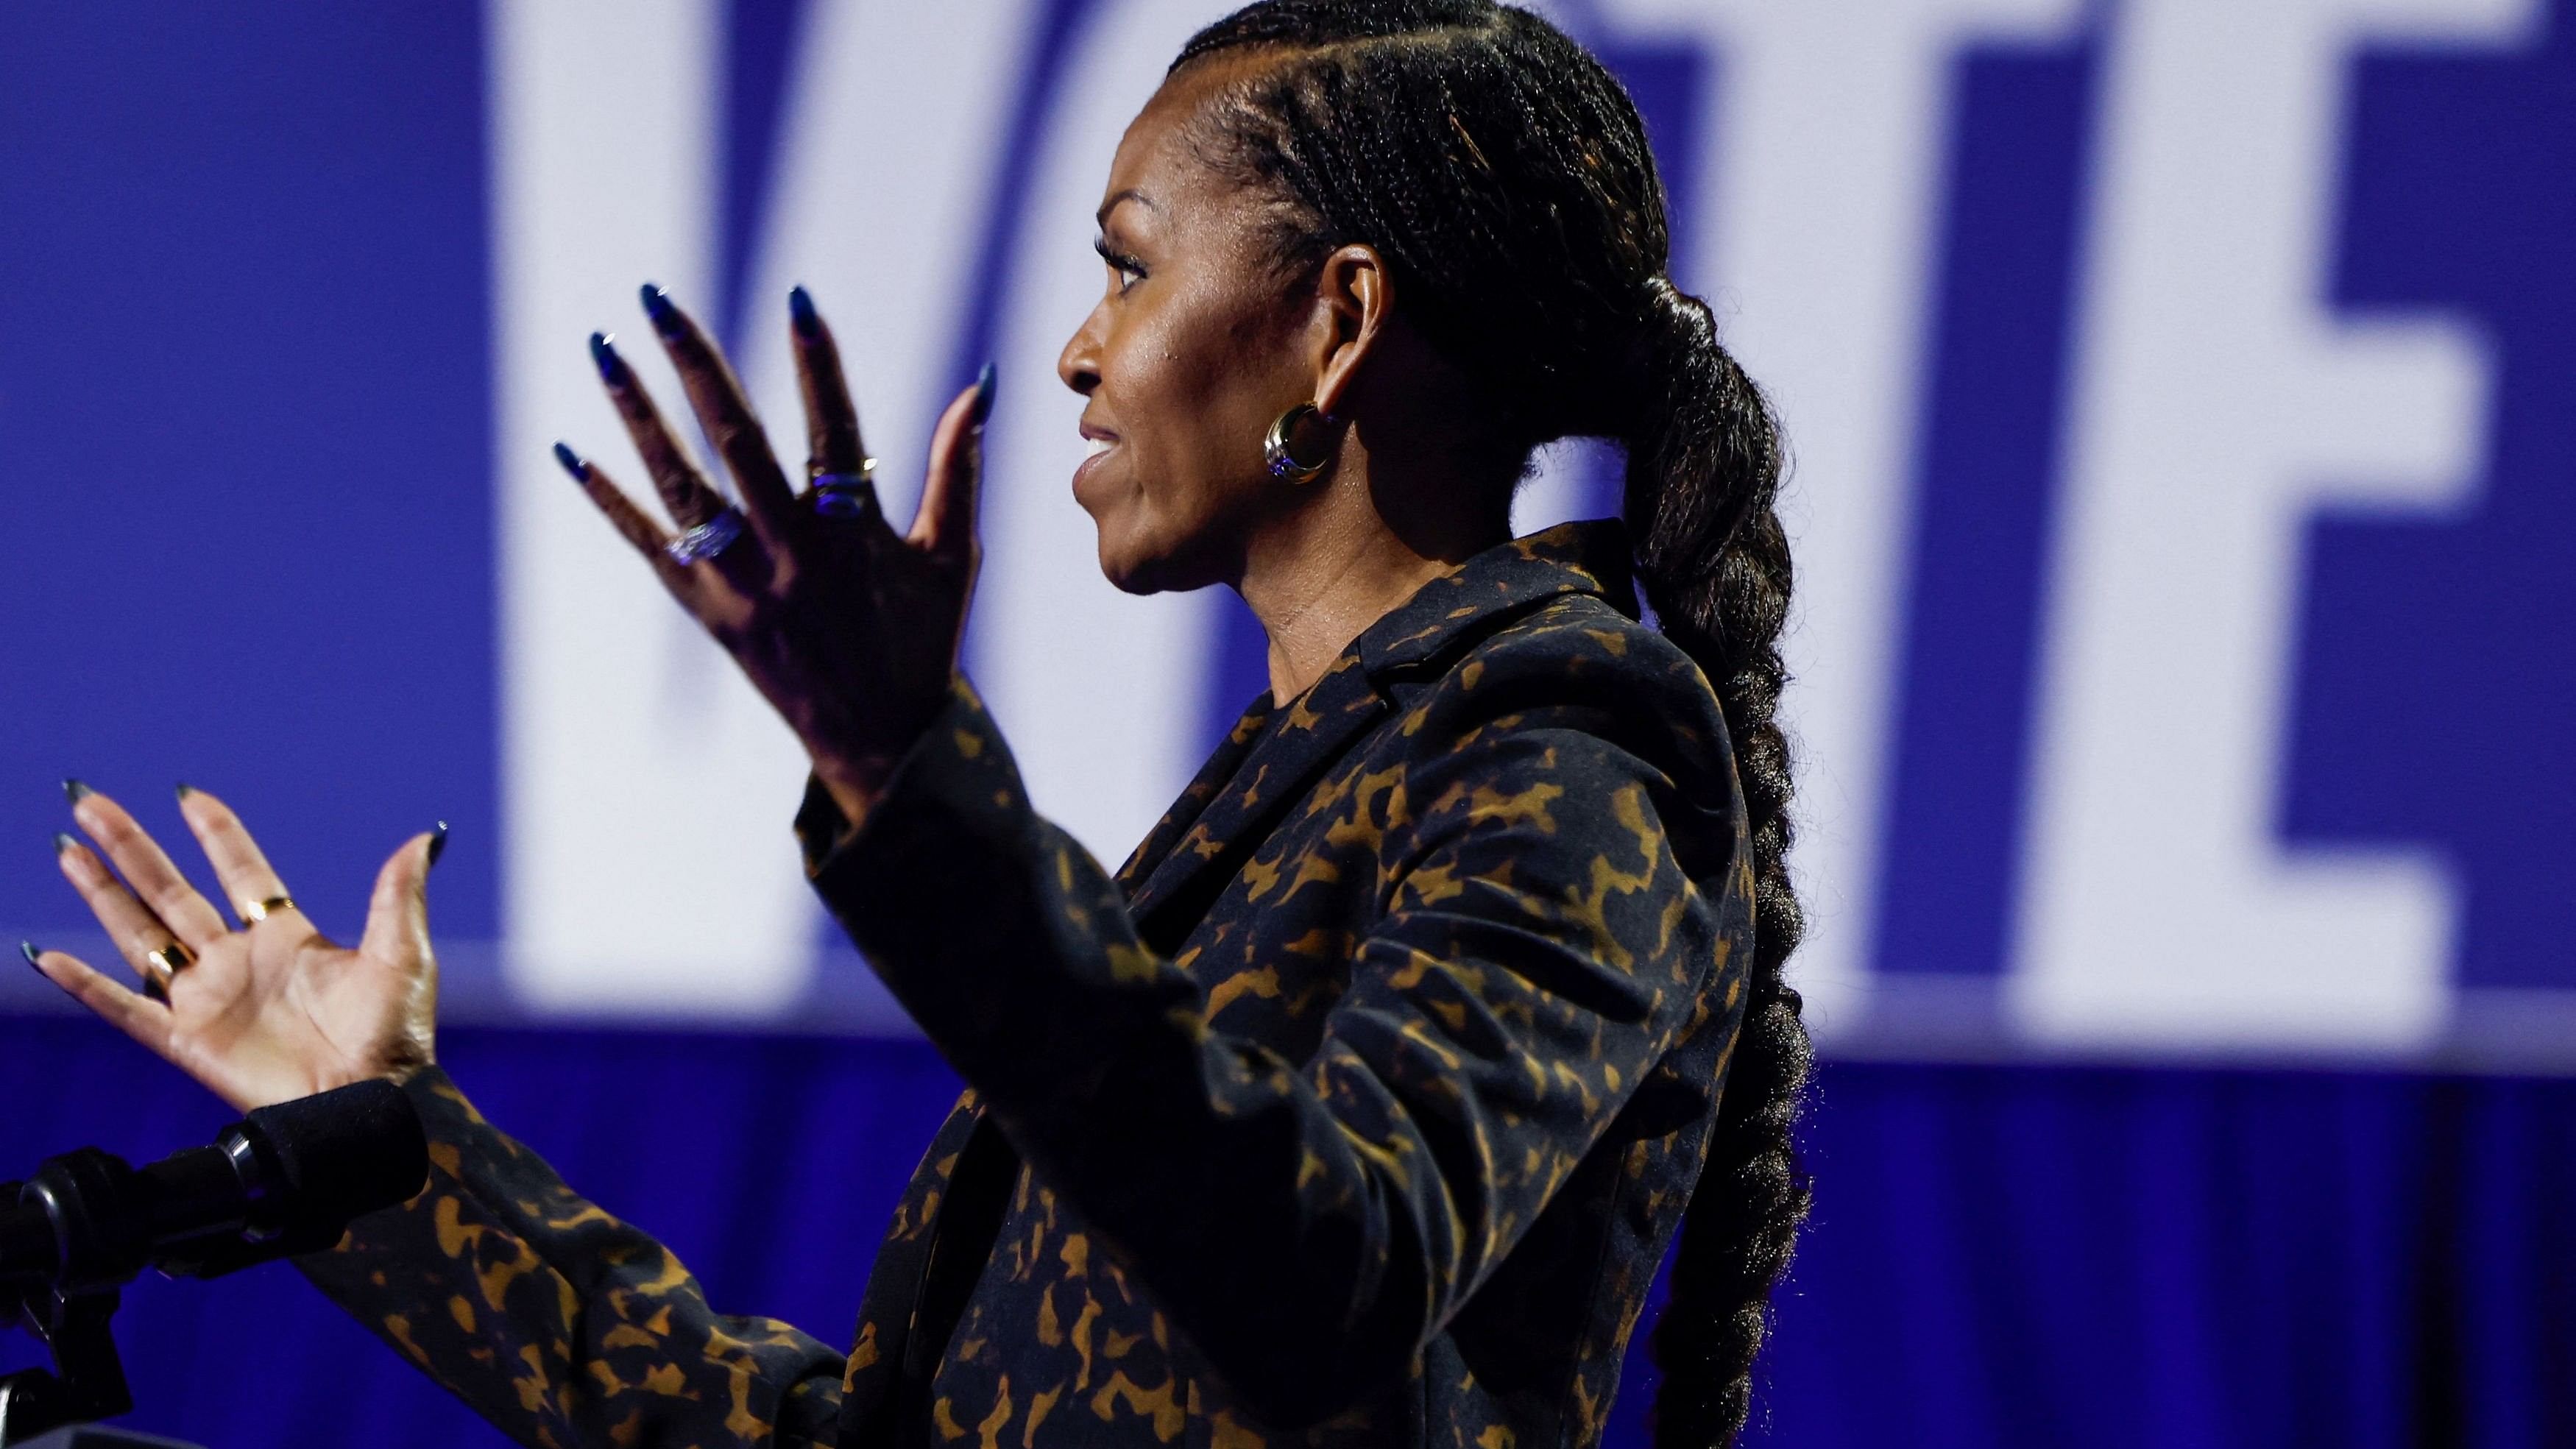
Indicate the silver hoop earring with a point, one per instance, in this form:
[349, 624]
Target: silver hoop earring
[1285, 465]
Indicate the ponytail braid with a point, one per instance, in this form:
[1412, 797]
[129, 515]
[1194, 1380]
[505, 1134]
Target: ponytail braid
[1529, 239]
[1703, 473]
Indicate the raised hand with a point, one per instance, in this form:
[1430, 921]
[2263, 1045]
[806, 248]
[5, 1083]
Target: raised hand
[275, 1010]
[848, 628]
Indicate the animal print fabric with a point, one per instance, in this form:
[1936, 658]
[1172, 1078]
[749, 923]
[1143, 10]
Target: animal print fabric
[558, 1322]
[1357, 1109]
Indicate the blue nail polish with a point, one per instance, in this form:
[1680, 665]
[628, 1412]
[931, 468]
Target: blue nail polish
[603, 354]
[986, 382]
[657, 305]
[28, 950]
[186, 790]
[800, 309]
[76, 792]
[63, 842]
[437, 843]
[572, 463]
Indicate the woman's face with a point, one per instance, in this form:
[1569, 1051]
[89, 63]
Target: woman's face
[1190, 354]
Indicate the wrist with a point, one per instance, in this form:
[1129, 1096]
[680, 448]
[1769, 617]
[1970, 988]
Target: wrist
[855, 774]
[854, 785]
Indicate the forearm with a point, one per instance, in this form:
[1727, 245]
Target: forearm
[556, 1321]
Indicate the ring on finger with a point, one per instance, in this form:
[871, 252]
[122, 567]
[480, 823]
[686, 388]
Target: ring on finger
[707, 539]
[254, 912]
[847, 495]
[163, 967]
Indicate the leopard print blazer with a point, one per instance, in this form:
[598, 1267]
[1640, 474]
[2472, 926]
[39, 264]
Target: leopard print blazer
[1357, 1109]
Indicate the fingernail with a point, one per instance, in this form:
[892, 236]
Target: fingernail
[63, 842]
[603, 355]
[657, 305]
[186, 790]
[76, 792]
[800, 308]
[437, 843]
[28, 950]
[985, 384]
[572, 463]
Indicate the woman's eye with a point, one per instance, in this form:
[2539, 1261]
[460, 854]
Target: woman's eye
[1126, 269]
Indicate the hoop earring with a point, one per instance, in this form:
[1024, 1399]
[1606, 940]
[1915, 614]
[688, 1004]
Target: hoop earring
[1285, 465]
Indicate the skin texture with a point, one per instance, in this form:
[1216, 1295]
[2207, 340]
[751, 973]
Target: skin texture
[851, 629]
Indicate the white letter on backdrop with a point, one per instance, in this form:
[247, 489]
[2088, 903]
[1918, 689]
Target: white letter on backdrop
[2216, 403]
[1817, 203]
[649, 789]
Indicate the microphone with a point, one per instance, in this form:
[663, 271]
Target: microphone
[286, 1179]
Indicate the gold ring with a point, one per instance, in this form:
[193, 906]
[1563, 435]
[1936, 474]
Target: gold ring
[254, 912]
[166, 964]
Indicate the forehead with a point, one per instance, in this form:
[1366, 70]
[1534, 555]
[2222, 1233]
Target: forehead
[1160, 155]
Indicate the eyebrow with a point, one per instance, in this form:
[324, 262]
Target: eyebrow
[1130, 194]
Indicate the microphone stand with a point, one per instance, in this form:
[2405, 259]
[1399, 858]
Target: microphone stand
[285, 1179]
[87, 1381]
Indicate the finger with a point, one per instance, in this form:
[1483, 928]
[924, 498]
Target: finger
[129, 923]
[944, 525]
[686, 494]
[147, 869]
[131, 1012]
[240, 869]
[832, 440]
[716, 396]
[632, 523]
[398, 912]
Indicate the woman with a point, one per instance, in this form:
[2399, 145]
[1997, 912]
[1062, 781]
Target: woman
[1360, 1107]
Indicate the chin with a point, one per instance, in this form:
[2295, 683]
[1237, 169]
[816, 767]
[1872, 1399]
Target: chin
[1138, 576]
[1135, 565]
[1128, 569]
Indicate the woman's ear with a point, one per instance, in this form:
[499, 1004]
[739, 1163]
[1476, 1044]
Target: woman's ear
[1355, 299]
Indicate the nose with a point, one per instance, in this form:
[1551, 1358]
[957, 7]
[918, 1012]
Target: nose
[1079, 363]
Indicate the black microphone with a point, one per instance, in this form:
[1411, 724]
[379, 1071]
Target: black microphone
[286, 1179]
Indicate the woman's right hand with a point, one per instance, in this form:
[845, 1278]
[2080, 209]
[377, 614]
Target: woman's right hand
[270, 1012]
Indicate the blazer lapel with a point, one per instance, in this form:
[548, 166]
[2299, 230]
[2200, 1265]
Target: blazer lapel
[1283, 758]
[1266, 765]
[1185, 811]
[874, 1393]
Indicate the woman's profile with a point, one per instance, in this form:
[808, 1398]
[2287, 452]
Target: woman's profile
[1361, 1105]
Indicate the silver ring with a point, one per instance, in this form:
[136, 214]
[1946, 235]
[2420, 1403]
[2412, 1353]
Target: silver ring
[847, 495]
[707, 539]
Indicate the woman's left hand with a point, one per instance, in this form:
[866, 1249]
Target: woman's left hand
[848, 628]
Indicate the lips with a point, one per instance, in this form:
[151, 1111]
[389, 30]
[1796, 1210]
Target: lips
[1097, 442]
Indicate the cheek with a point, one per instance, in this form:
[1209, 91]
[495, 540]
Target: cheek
[1184, 391]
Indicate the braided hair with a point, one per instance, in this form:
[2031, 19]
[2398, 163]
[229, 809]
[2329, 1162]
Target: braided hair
[1504, 176]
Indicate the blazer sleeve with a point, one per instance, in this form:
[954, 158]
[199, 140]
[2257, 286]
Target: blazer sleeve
[1309, 1225]
[557, 1322]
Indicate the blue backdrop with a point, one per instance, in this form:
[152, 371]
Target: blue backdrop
[255, 452]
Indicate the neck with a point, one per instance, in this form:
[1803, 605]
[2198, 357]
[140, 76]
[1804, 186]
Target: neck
[1322, 573]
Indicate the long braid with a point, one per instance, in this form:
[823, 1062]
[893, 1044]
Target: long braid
[1505, 177]
[1716, 567]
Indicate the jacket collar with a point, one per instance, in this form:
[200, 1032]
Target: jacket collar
[1272, 756]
